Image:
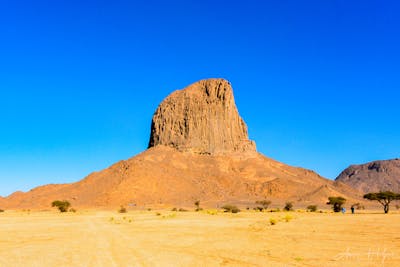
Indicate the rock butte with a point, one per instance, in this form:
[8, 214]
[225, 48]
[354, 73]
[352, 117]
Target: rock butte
[203, 119]
[198, 150]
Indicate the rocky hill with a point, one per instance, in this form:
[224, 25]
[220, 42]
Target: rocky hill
[374, 176]
[198, 150]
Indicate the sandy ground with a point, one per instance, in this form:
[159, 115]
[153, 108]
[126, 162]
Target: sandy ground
[142, 238]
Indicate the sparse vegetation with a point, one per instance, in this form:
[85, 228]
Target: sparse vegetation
[336, 203]
[197, 204]
[288, 206]
[358, 206]
[1, 210]
[61, 205]
[287, 218]
[72, 210]
[174, 209]
[397, 206]
[263, 204]
[182, 210]
[230, 208]
[158, 214]
[122, 209]
[272, 221]
[312, 208]
[384, 198]
[212, 212]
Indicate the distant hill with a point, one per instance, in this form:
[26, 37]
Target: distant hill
[198, 150]
[375, 176]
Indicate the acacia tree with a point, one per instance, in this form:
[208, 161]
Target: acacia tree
[61, 205]
[336, 202]
[384, 198]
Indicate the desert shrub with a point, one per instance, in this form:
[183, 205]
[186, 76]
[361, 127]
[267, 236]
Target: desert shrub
[72, 210]
[287, 218]
[263, 204]
[169, 216]
[122, 209]
[197, 204]
[276, 210]
[312, 208]
[230, 208]
[158, 214]
[288, 206]
[1, 210]
[258, 208]
[61, 205]
[182, 210]
[397, 207]
[212, 212]
[272, 221]
[174, 209]
[149, 209]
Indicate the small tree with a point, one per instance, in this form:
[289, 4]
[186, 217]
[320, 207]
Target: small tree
[61, 205]
[264, 204]
[197, 204]
[288, 206]
[336, 202]
[384, 198]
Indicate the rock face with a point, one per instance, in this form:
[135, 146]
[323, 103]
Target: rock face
[374, 176]
[201, 118]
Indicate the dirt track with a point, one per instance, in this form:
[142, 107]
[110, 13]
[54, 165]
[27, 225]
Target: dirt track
[141, 238]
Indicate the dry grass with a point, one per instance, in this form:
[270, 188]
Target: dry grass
[198, 239]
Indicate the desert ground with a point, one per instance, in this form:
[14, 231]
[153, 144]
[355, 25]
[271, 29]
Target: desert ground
[206, 238]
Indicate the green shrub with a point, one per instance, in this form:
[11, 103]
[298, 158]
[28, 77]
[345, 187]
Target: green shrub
[312, 208]
[288, 206]
[61, 205]
[230, 208]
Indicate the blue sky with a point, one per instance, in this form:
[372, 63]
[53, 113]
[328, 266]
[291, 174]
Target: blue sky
[318, 82]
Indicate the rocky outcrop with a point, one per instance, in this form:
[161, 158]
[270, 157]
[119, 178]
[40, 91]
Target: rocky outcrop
[374, 176]
[201, 118]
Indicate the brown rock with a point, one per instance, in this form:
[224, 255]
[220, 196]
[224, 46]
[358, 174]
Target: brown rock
[201, 118]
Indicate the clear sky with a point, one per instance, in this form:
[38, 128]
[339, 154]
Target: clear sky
[317, 82]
